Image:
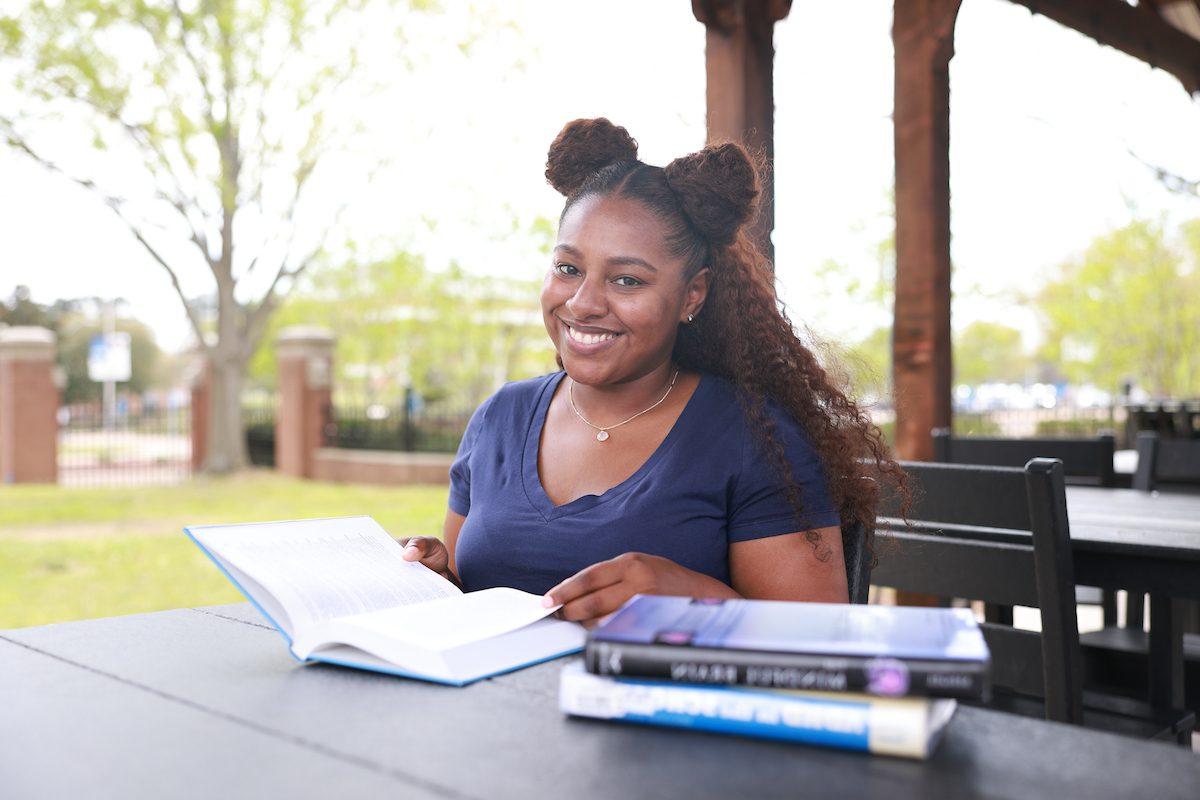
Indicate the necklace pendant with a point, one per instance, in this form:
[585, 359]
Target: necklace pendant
[602, 436]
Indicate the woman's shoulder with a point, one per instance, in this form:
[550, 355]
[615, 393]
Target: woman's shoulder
[728, 408]
[725, 397]
[518, 396]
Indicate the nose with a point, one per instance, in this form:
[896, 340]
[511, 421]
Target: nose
[589, 300]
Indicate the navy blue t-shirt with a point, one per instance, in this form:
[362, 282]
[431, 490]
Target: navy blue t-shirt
[708, 484]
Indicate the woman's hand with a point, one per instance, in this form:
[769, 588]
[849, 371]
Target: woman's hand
[430, 551]
[593, 593]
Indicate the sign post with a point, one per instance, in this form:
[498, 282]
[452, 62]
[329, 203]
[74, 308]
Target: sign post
[109, 361]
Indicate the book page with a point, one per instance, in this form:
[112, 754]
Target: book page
[322, 569]
[452, 622]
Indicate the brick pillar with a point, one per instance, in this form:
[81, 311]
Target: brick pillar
[304, 355]
[201, 383]
[28, 406]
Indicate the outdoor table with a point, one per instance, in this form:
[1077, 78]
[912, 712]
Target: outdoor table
[1143, 542]
[206, 702]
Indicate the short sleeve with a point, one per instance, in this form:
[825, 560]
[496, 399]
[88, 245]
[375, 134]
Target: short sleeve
[460, 468]
[759, 505]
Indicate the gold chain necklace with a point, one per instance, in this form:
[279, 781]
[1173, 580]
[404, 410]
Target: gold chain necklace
[602, 433]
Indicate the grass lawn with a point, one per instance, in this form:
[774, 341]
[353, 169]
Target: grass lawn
[68, 554]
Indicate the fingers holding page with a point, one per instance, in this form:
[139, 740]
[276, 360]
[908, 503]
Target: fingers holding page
[587, 580]
[426, 549]
[591, 608]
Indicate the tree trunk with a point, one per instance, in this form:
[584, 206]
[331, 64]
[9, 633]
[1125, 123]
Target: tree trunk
[226, 434]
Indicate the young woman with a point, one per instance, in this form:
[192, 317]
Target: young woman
[691, 444]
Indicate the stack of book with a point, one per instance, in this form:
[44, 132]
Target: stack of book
[871, 678]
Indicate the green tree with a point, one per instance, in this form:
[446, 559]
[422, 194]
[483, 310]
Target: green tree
[1128, 309]
[863, 360]
[20, 309]
[75, 321]
[869, 363]
[448, 334]
[989, 351]
[230, 110]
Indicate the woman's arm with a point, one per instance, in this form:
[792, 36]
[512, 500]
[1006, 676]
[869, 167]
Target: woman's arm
[450, 531]
[784, 567]
[595, 592]
[789, 567]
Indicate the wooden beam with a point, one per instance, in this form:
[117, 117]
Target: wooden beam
[1145, 36]
[740, 60]
[923, 37]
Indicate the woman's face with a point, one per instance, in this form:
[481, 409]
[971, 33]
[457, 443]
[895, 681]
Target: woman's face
[614, 297]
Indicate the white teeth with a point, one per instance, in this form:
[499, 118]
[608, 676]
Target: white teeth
[589, 338]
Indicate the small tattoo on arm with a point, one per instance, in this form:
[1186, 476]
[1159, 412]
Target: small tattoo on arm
[822, 551]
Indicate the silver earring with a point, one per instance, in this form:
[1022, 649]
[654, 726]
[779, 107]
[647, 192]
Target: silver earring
[691, 317]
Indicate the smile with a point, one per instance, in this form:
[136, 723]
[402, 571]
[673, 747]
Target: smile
[588, 340]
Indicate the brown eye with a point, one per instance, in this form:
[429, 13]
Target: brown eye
[565, 269]
[632, 281]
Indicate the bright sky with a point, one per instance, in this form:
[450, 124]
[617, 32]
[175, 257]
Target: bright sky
[1042, 123]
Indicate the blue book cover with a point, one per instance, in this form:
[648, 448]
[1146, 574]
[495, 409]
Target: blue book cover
[887, 651]
[907, 727]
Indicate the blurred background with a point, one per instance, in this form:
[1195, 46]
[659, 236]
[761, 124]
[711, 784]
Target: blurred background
[222, 214]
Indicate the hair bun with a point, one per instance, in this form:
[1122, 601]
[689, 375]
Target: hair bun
[718, 188]
[584, 147]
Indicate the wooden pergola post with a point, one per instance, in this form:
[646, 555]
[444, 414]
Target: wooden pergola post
[740, 59]
[923, 36]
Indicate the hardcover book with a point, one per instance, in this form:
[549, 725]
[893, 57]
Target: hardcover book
[339, 591]
[908, 727]
[885, 651]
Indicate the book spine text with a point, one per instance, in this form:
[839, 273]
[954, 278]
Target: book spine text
[884, 677]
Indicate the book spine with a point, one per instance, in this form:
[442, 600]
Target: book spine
[851, 724]
[883, 677]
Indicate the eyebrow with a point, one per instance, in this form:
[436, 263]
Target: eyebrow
[615, 261]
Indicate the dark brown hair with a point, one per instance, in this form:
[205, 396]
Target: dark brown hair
[743, 333]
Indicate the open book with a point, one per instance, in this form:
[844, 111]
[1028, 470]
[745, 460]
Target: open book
[340, 592]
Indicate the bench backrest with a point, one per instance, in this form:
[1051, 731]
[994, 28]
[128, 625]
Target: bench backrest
[1087, 461]
[1166, 461]
[997, 534]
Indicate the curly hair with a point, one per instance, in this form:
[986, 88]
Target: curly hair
[706, 200]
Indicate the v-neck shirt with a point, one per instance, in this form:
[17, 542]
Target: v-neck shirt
[707, 485]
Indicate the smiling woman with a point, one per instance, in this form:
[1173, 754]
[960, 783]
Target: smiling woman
[691, 444]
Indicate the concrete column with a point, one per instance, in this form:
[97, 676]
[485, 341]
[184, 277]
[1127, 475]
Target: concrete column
[28, 406]
[304, 356]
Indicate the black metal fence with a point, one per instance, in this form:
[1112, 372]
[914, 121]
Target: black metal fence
[1176, 419]
[259, 422]
[1040, 422]
[438, 428]
[1035, 422]
[435, 428]
[1172, 419]
[142, 440]
[147, 439]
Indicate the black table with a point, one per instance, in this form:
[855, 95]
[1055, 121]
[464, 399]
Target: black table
[1143, 542]
[207, 703]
